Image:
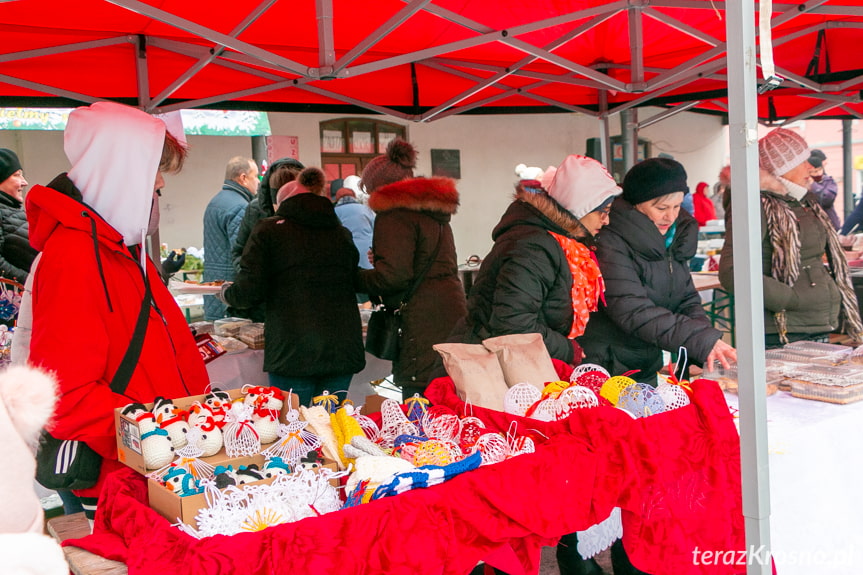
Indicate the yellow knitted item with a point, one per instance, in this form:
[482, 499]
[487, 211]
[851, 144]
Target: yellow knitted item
[345, 428]
[613, 386]
[553, 388]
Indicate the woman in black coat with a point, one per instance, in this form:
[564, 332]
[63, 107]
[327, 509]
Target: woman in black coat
[412, 232]
[526, 283]
[302, 263]
[651, 303]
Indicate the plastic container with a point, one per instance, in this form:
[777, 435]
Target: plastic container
[252, 335]
[825, 392]
[230, 326]
[202, 327]
[728, 380]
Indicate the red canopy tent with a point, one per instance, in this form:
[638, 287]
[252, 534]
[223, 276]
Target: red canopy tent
[417, 59]
[421, 60]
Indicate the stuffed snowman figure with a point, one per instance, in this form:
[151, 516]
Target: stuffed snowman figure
[218, 401]
[275, 466]
[181, 482]
[266, 415]
[156, 447]
[201, 417]
[172, 420]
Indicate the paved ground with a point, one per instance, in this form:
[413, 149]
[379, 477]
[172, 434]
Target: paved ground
[548, 565]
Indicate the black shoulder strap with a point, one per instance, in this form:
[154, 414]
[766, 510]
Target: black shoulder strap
[121, 378]
[421, 277]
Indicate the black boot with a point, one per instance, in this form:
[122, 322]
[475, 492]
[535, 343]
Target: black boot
[570, 562]
[620, 561]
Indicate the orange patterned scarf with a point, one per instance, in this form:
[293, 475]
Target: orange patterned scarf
[587, 284]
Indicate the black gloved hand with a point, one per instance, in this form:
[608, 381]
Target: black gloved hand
[173, 263]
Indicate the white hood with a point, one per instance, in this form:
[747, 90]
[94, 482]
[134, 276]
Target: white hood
[115, 152]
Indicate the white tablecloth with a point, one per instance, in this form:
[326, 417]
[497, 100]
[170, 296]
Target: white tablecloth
[234, 370]
[816, 485]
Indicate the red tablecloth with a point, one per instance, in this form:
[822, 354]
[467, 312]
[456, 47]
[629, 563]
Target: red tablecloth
[676, 476]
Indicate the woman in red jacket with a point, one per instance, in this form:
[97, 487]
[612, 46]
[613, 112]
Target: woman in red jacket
[88, 288]
[704, 210]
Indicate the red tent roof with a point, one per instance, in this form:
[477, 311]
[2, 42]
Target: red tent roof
[419, 59]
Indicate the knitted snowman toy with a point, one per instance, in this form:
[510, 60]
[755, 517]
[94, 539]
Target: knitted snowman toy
[201, 417]
[247, 474]
[172, 420]
[266, 415]
[156, 447]
[218, 401]
[275, 466]
[181, 482]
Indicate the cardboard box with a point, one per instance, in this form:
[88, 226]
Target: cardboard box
[129, 435]
[173, 507]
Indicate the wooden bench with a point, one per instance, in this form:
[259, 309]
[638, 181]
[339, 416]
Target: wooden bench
[81, 562]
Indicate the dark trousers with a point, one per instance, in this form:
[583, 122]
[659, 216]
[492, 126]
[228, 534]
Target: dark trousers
[308, 387]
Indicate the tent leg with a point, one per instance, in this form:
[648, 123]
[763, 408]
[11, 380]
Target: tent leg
[748, 294]
[629, 131]
[847, 169]
[604, 133]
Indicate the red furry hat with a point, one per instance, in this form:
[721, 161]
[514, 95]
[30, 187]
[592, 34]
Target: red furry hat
[396, 165]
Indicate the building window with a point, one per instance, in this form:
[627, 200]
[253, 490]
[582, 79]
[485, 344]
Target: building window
[348, 144]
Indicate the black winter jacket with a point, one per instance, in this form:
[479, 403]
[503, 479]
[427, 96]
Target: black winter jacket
[524, 284]
[16, 254]
[303, 264]
[259, 208]
[412, 217]
[651, 303]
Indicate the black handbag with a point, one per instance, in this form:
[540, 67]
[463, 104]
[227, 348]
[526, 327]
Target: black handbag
[70, 464]
[384, 332]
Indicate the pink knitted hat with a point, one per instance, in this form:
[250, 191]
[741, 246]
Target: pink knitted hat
[581, 185]
[782, 150]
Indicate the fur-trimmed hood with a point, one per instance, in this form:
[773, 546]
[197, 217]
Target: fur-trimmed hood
[419, 194]
[553, 211]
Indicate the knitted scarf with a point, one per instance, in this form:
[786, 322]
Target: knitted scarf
[587, 283]
[785, 263]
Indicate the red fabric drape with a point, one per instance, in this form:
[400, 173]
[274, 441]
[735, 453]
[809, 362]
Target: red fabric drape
[676, 476]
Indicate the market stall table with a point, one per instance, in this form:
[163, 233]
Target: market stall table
[816, 464]
[595, 460]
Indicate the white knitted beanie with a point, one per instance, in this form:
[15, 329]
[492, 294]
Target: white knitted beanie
[582, 185]
[782, 150]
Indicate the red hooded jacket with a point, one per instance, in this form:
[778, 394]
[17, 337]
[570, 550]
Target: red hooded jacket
[87, 295]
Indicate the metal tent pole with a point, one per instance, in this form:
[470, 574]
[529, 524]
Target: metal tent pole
[748, 289]
[847, 169]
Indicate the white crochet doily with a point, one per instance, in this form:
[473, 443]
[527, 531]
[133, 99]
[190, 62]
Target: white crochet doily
[599, 537]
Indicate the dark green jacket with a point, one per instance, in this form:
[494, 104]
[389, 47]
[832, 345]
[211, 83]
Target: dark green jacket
[812, 303]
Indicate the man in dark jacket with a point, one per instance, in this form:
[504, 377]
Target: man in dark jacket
[262, 205]
[16, 255]
[823, 186]
[222, 223]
